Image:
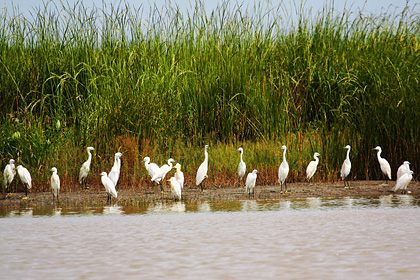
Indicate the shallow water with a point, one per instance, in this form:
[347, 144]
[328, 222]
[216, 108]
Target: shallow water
[312, 238]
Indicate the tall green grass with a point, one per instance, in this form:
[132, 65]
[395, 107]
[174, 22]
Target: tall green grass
[161, 82]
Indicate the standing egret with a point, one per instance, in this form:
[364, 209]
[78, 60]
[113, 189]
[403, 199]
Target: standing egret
[346, 167]
[404, 168]
[202, 170]
[114, 174]
[55, 184]
[403, 181]
[251, 179]
[175, 188]
[283, 170]
[311, 169]
[152, 168]
[25, 177]
[9, 173]
[84, 170]
[109, 186]
[241, 166]
[179, 175]
[384, 164]
[161, 173]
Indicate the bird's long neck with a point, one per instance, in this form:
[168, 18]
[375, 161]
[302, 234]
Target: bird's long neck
[117, 161]
[379, 154]
[316, 159]
[284, 155]
[90, 156]
[348, 154]
[241, 156]
[206, 156]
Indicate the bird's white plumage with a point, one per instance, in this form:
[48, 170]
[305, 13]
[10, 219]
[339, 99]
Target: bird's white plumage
[152, 168]
[9, 173]
[284, 167]
[242, 165]
[84, 170]
[404, 168]
[24, 176]
[163, 170]
[202, 170]
[383, 163]
[346, 167]
[114, 174]
[251, 180]
[175, 188]
[179, 175]
[55, 182]
[311, 169]
[403, 181]
[109, 185]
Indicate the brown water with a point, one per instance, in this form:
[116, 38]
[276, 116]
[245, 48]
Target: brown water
[311, 238]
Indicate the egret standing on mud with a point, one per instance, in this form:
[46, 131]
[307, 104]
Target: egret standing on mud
[384, 164]
[114, 174]
[175, 188]
[202, 170]
[55, 184]
[241, 166]
[25, 177]
[283, 170]
[179, 175]
[403, 181]
[109, 187]
[311, 169]
[84, 170]
[346, 167]
[251, 180]
[161, 173]
[9, 173]
[152, 168]
[404, 168]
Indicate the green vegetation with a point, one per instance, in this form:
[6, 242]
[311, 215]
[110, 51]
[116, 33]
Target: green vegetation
[164, 83]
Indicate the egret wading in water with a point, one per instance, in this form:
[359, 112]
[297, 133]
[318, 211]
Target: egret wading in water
[346, 167]
[25, 177]
[109, 187]
[403, 181]
[311, 169]
[55, 184]
[179, 175]
[114, 174]
[152, 168]
[9, 173]
[283, 170]
[241, 166]
[202, 170]
[404, 168]
[84, 170]
[384, 164]
[175, 188]
[251, 180]
[161, 173]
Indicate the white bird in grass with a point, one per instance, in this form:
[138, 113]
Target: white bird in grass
[283, 170]
[84, 170]
[179, 175]
[175, 188]
[384, 164]
[403, 181]
[9, 173]
[404, 168]
[55, 184]
[152, 168]
[346, 167]
[251, 180]
[241, 166]
[311, 169]
[161, 173]
[202, 170]
[109, 187]
[114, 174]
[25, 177]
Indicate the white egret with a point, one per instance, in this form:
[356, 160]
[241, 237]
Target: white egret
[179, 175]
[241, 166]
[202, 170]
[175, 188]
[152, 168]
[384, 164]
[84, 170]
[25, 177]
[403, 181]
[9, 173]
[114, 174]
[283, 170]
[161, 173]
[55, 184]
[251, 180]
[346, 167]
[404, 168]
[109, 186]
[311, 169]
